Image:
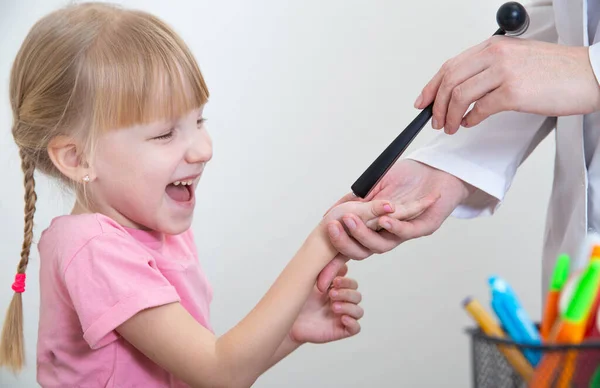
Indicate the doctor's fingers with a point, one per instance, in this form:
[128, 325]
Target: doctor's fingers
[450, 86]
[497, 101]
[430, 90]
[463, 95]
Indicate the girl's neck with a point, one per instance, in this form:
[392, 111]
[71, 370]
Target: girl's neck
[80, 208]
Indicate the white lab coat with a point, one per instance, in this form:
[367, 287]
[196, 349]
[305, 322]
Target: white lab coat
[488, 155]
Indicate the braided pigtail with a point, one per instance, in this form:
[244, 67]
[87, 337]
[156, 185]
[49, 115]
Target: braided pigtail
[12, 352]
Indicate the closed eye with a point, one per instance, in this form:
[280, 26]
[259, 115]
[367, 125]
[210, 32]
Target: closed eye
[201, 121]
[165, 136]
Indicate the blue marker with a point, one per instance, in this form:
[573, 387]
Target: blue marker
[514, 318]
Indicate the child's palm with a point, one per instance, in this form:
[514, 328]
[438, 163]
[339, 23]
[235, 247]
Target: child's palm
[321, 321]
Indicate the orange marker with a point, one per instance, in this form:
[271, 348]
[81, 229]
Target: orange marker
[559, 278]
[592, 319]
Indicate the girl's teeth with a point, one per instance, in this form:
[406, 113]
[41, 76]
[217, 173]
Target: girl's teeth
[183, 183]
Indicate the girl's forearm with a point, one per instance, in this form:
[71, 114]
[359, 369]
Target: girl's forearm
[286, 347]
[247, 350]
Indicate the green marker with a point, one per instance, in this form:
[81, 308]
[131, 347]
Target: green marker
[595, 380]
[584, 295]
[561, 273]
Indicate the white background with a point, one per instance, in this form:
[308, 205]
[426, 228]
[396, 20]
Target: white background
[319, 88]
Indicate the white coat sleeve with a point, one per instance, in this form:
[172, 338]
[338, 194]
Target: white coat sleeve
[594, 53]
[487, 156]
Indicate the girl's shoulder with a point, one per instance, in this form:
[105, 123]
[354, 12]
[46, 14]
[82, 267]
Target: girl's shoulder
[69, 234]
[94, 235]
[80, 226]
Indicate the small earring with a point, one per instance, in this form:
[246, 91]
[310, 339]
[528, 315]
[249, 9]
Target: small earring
[86, 178]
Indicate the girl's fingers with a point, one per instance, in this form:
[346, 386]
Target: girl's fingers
[345, 282]
[365, 238]
[349, 309]
[407, 230]
[345, 244]
[373, 209]
[352, 326]
[343, 271]
[345, 198]
[345, 295]
[330, 272]
[408, 211]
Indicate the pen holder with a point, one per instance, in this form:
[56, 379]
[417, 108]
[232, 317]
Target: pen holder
[568, 365]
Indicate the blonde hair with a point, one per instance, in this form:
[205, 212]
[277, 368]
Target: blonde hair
[81, 70]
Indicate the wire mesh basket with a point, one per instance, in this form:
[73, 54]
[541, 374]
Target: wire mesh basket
[573, 366]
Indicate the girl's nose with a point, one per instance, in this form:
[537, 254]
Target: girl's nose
[200, 149]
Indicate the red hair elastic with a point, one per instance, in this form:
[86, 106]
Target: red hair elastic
[19, 284]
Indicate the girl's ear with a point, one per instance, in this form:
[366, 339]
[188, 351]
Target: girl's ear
[66, 155]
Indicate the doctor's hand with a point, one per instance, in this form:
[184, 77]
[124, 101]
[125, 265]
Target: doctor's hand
[511, 74]
[407, 181]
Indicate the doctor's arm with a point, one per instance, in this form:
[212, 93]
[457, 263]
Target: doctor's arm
[471, 171]
[535, 75]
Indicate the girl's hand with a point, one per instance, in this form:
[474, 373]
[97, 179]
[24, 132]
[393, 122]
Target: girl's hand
[363, 219]
[416, 210]
[351, 211]
[511, 74]
[329, 316]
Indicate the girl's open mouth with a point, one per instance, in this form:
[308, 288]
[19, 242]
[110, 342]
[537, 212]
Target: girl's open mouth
[180, 191]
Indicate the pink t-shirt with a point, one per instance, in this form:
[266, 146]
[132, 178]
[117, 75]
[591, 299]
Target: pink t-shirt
[94, 275]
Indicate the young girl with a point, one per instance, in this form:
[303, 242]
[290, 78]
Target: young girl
[110, 101]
